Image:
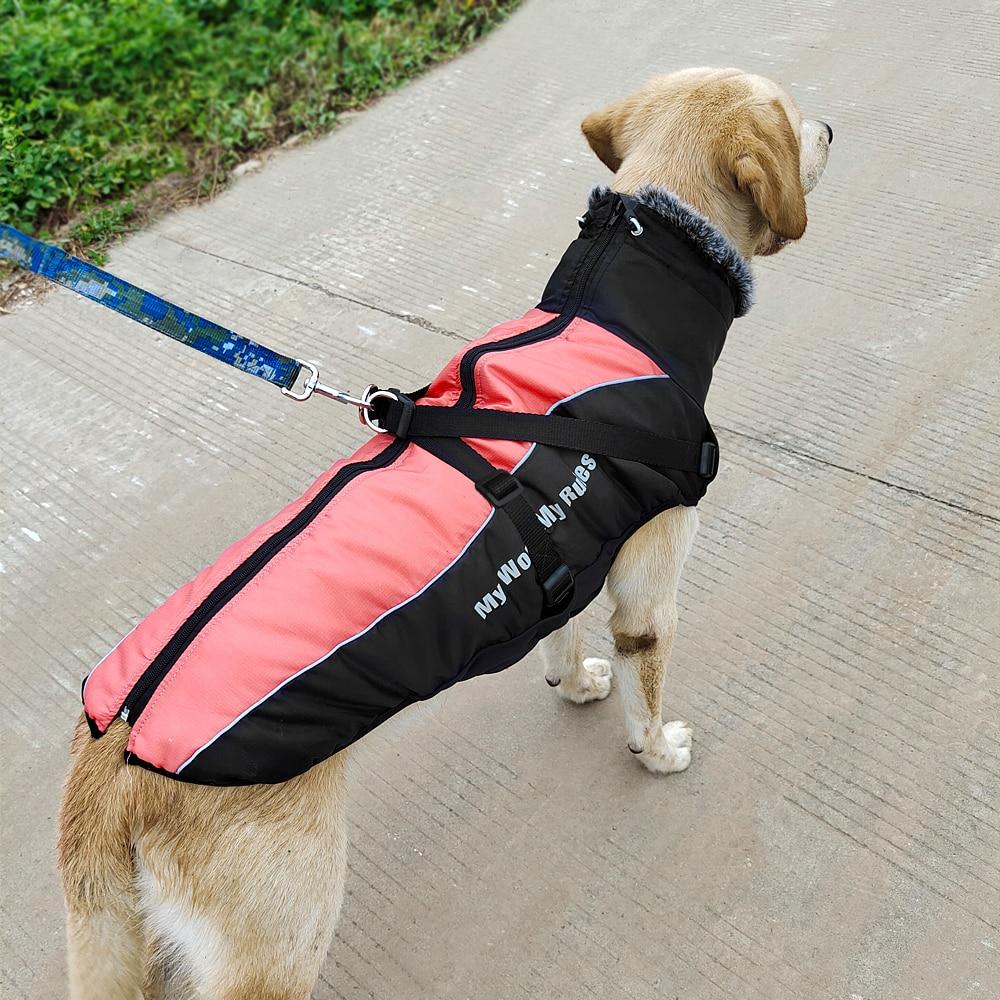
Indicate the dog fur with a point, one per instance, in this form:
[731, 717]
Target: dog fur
[236, 890]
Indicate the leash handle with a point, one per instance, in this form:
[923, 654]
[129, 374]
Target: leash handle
[158, 314]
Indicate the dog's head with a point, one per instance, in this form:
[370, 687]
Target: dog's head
[732, 144]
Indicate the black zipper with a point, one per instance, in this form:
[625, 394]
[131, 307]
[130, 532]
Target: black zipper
[548, 329]
[227, 589]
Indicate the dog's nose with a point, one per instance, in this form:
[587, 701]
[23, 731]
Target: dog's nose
[829, 132]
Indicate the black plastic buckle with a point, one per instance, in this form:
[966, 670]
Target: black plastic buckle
[500, 488]
[708, 463]
[558, 587]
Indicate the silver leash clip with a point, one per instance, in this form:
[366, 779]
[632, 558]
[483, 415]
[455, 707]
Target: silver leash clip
[312, 384]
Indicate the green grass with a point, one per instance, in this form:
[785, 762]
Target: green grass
[112, 110]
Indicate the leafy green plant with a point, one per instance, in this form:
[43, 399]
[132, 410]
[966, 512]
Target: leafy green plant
[101, 98]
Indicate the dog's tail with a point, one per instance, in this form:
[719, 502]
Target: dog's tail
[96, 861]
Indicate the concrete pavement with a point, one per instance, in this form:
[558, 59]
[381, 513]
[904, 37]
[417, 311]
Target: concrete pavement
[837, 834]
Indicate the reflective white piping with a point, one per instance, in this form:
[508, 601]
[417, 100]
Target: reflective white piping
[86, 680]
[479, 530]
[583, 392]
[340, 645]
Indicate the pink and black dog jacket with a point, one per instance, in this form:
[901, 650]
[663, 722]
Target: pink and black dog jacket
[488, 516]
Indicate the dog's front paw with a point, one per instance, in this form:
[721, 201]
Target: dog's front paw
[591, 682]
[668, 748]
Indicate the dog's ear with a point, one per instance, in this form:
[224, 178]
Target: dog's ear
[764, 160]
[604, 131]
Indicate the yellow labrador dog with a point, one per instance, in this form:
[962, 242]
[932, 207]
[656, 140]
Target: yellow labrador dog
[236, 889]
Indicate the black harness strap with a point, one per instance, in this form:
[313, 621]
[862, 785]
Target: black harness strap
[401, 417]
[506, 494]
[440, 430]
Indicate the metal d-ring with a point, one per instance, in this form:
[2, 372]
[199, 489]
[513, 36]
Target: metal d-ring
[635, 226]
[371, 393]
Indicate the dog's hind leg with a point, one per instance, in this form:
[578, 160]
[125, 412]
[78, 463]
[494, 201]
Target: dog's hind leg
[242, 887]
[106, 944]
[643, 585]
[575, 678]
[105, 952]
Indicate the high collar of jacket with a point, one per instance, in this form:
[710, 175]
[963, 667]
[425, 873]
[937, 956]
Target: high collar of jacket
[702, 236]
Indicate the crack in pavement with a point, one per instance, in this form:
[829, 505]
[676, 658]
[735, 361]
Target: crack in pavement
[427, 325]
[785, 449]
[406, 317]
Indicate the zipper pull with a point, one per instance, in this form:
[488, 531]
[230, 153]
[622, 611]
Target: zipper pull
[123, 714]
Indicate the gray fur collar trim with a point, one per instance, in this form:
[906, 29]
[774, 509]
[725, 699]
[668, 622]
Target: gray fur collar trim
[703, 236]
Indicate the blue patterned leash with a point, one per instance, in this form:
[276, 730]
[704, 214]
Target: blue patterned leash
[144, 307]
